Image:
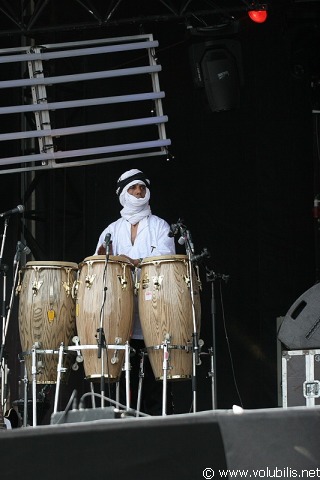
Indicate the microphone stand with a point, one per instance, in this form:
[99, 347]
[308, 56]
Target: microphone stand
[3, 271]
[185, 234]
[102, 347]
[211, 276]
[6, 323]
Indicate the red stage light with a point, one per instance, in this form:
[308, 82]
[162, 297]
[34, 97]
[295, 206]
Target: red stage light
[258, 16]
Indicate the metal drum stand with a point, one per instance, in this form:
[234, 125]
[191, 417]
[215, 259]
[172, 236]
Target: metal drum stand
[77, 348]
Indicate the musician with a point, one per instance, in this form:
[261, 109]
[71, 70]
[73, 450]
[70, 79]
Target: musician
[137, 234]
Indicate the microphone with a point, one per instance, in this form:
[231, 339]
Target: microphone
[106, 243]
[21, 248]
[107, 240]
[174, 228]
[18, 209]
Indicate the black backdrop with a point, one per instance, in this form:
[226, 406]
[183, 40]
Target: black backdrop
[244, 182]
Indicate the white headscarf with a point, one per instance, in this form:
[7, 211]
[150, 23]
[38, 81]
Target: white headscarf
[134, 209]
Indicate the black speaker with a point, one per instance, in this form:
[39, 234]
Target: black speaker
[84, 415]
[216, 70]
[300, 328]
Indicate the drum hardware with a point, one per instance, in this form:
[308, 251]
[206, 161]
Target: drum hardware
[165, 367]
[37, 367]
[75, 366]
[34, 388]
[145, 282]
[165, 347]
[143, 353]
[89, 280]
[115, 357]
[157, 281]
[187, 280]
[126, 368]
[123, 279]
[200, 344]
[68, 285]
[60, 369]
[74, 290]
[79, 357]
[36, 285]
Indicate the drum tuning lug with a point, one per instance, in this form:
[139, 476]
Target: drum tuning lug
[75, 339]
[36, 287]
[187, 280]
[79, 358]
[75, 366]
[167, 337]
[157, 281]
[74, 289]
[114, 360]
[89, 280]
[123, 282]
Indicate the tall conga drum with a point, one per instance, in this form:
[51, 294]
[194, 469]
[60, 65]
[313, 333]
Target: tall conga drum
[166, 313]
[104, 299]
[46, 315]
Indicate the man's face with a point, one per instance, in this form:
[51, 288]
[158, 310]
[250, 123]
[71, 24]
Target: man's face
[137, 190]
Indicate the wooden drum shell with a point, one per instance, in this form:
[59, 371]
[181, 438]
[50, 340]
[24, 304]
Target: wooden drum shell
[46, 314]
[117, 316]
[165, 309]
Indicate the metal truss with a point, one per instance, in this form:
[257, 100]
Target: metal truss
[37, 16]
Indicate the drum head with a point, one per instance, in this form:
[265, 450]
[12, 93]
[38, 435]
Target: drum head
[164, 258]
[51, 263]
[111, 258]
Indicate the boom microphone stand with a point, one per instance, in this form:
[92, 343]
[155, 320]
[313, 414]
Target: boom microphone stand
[101, 336]
[3, 271]
[211, 276]
[195, 335]
[186, 239]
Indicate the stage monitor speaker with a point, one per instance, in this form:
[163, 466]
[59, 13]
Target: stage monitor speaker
[300, 328]
[216, 69]
[84, 415]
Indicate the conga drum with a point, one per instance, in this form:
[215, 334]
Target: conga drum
[46, 315]
[166, 313]
[104, 299]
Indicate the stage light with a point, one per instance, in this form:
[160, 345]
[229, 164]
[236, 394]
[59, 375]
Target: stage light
[258, 12]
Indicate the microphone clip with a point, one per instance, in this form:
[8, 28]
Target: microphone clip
[201, 257]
